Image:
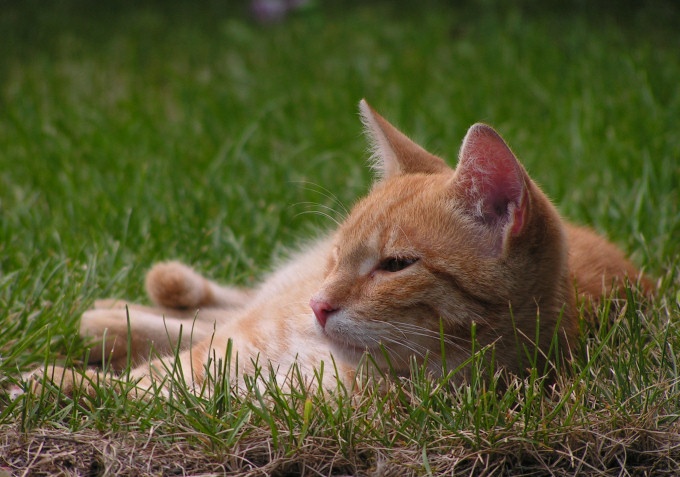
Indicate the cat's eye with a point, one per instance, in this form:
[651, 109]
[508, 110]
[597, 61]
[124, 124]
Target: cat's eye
[396, 264]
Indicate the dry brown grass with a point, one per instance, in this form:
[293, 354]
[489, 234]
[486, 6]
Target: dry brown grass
[581, 452]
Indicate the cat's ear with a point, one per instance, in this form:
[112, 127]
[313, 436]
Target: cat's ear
[492, 184]
[392, 152]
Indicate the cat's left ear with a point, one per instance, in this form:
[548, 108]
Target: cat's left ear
[393, 153]
[492, 184]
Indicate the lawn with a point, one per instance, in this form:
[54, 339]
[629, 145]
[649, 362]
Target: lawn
[133, 132]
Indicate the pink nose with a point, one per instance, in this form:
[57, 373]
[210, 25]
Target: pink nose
[322, 310]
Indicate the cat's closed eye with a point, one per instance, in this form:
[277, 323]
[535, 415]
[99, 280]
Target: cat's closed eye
[396, 264]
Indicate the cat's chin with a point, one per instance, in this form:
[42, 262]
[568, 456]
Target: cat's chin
[348, 352]
[343, 347]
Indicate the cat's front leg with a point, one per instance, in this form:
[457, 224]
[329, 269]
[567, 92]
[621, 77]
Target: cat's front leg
[76, 383]
[65, 380]
[187, 368]
[131, 334]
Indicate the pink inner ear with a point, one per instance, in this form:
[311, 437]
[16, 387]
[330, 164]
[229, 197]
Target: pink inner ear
[518, 216]
[492, 179]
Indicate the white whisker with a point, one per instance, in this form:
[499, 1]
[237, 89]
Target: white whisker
[412, 329]
[323, 191]
[320, 213]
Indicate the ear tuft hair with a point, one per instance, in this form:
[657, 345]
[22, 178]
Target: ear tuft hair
[392, 153]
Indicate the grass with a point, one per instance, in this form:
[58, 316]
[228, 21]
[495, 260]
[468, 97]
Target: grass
[131, 133]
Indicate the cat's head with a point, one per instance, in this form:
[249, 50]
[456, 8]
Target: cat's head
[434, 249]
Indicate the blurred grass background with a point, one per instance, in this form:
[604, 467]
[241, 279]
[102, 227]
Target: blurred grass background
[132, 132]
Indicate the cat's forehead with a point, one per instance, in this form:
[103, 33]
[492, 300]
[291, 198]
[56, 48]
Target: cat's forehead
[397, 209]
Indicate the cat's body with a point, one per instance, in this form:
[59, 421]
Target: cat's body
[427, 254]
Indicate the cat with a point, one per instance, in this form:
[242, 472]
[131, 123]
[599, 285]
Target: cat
[428, 254]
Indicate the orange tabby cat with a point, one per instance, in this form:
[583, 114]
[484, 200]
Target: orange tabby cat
[430, 250]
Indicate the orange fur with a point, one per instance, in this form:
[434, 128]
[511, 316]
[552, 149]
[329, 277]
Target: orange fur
[430, 249]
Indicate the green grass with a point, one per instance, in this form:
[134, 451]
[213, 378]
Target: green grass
[134, 132]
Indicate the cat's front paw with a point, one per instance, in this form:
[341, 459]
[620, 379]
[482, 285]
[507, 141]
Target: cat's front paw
[175, 285]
